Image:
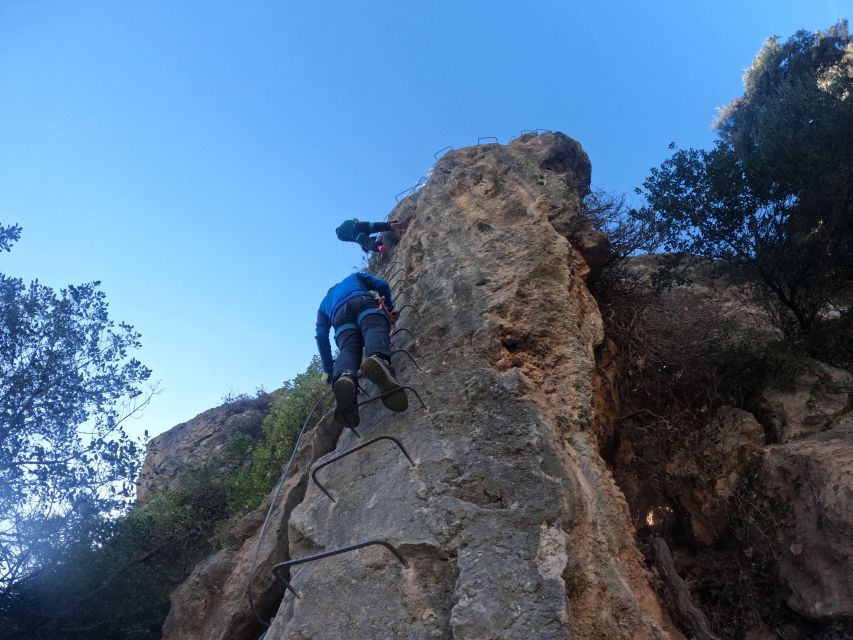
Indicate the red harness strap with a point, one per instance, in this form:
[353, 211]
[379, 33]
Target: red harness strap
[389, 313]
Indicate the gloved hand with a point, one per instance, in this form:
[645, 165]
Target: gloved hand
[326, 378]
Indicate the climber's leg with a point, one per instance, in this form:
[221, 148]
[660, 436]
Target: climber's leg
[379, 371]
[345, 385]
[346, 394]
[377, 366]
[350, 345]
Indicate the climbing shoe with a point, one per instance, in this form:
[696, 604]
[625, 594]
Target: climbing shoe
[346, 393]
[380, 373]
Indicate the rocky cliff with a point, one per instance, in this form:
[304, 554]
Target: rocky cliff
[509, 522]
[195, 441]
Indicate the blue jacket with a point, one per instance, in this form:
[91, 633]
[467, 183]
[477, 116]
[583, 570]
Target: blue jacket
[353, 285]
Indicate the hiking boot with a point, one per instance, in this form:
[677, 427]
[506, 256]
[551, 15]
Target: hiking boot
[346, 393]
[379, 372]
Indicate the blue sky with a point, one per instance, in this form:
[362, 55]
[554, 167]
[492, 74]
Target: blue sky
[196, 156]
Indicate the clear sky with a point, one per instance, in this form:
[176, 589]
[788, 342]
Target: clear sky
[196, 156]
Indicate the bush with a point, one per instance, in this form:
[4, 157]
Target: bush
[117, 583]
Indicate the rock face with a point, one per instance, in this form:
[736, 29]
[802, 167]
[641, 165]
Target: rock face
[212, 602]
[811, 479]
[738, 436]
[817, 399]
[195, 441]
[510, 523]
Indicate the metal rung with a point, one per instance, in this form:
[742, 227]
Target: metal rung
[391, 277]
[344, 454]
[536, 131]
[388, 393]
[399, 276]
[403, 330]
[277, 569]
[488, 138]
[401, 283]
[415, 362]
[410, 190]
[406, 291]
[413, 189]
[411, 306]
[436, 154]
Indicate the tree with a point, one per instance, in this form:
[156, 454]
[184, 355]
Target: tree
[772, 200]
[67, 384]
[8, 236]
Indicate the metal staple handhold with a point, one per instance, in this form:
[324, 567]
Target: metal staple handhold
[436, 155]
[399, 277]
[421, 182]
[396, 351]
[406, 291]
[402, 330]
[394, 275]
[394, 390]
[496, 141]
[277, 569]
[411, 306]
[352, 450]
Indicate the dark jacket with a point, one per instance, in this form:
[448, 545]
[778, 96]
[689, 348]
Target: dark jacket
[357, 284]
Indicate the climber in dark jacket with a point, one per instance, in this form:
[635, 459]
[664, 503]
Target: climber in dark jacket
[361, 232]
[359, 324]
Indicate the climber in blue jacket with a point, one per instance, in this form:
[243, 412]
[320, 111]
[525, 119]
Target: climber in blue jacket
[361, 232]
[360, 324]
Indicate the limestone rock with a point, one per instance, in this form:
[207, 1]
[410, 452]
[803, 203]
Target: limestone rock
[212, 603]
[202, 438]
[511, 525]
[738, 436]
[816, 399]
[811, 480]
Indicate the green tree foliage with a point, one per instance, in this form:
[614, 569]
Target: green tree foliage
[9, 234]
[772, 200]
[116, 584]
[281, 426]
[66, 385]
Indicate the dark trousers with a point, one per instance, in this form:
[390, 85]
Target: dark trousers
[364, 229]
[372, 335]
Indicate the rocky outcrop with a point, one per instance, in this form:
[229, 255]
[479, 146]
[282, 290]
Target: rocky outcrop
[213, 602]
[809, 481]
[736, 438]
[198, 440]
[812, 404]
[511, 525]
[757, 505]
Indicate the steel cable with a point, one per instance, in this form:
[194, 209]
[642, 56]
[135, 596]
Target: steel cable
[272, 505]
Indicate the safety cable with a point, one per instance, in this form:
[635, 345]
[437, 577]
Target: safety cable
[272, 505]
